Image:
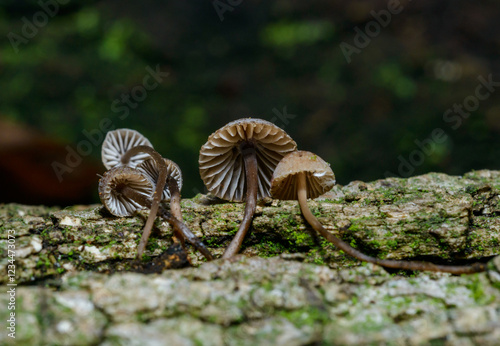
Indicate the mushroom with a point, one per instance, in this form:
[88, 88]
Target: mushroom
[125, 147]
[171, 191]
[302, 174]
[160, 184]
[117, 143]
[114, 181]
[174, 175]
[237, 163]
[124, 190]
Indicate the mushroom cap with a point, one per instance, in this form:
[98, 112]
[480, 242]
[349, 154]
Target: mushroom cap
[115, 202]
[319, 176]
[221, 161]
[150, 169]
[117, 143]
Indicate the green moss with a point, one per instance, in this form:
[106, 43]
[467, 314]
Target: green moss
[340, 200]
[415, 244]
[111, 243]
[153, 244]
[302, 238]
[318, 256]
[216, 214]
[117, 256]
[392, 243]
[355, 227]
[353, 243]
[213, 242]
[316, 211]
[471, 189]
[493, 242]
[234, 230]
[309, 316]
[319, 261]
[477, 291]
[43, 261]
[270, 249]
[188, 217]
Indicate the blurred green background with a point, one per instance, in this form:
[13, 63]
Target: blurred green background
[232, 59]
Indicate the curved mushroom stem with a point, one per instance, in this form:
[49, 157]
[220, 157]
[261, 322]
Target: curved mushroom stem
[177, 224]
[250, 161]
[175, 205]
[175, 198]
[162, 179]
[407, 265]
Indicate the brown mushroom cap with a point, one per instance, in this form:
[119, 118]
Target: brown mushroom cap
[116, 203]
[151, 170]
[117, 143]
[319, 176]
[221, 161]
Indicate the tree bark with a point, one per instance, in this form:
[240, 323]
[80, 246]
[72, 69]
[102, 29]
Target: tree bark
[329, 298]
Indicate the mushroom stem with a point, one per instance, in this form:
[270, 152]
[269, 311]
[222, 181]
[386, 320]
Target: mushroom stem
[175, 204]
[175, 198]
[342, 245]
[250, 161]
[162, 178]
[177, 224]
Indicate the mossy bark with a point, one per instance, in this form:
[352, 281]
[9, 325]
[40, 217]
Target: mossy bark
[434, 217]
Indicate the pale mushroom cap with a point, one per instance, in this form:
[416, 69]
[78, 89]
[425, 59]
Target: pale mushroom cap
[221, 162]
[319, 176]
[150, 169]
[117, 143]
[116, 203]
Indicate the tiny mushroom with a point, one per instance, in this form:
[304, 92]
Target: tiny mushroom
[302, 174]
[157, 194]
[237, 162]
[124, 190]
[117, 143]
[114, 187]
[171, 191]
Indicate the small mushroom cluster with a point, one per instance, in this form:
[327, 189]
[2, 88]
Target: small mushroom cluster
[246, 160]
[138, 177]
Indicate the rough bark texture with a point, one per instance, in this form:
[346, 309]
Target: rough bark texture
[75, 285]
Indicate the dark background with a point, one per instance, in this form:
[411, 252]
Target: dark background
[364, 117]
